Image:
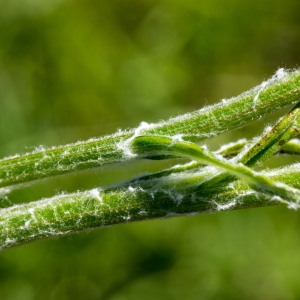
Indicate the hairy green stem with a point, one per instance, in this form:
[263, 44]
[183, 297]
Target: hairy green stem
[174, 193]
[183, 189]
[281, 90]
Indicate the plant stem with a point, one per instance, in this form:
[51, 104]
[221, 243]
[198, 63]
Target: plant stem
[144, 198]
[183, 189]
[281, 90]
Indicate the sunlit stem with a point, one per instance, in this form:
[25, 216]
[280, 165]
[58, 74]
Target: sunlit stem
[281, 90]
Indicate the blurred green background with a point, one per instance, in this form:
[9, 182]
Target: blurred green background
[71, 70]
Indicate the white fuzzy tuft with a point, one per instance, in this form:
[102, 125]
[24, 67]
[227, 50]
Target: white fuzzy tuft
[226, 206]
[95, 193]
[124, 145]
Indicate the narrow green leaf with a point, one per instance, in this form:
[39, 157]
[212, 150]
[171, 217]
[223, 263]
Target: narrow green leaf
[272, 142]
[292, 147]
[148, 146]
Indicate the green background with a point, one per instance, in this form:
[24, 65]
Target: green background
[71, 70]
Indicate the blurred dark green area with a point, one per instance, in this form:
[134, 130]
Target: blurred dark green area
[71, 70]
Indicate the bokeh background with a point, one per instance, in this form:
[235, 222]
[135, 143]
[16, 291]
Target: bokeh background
[71, 70]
